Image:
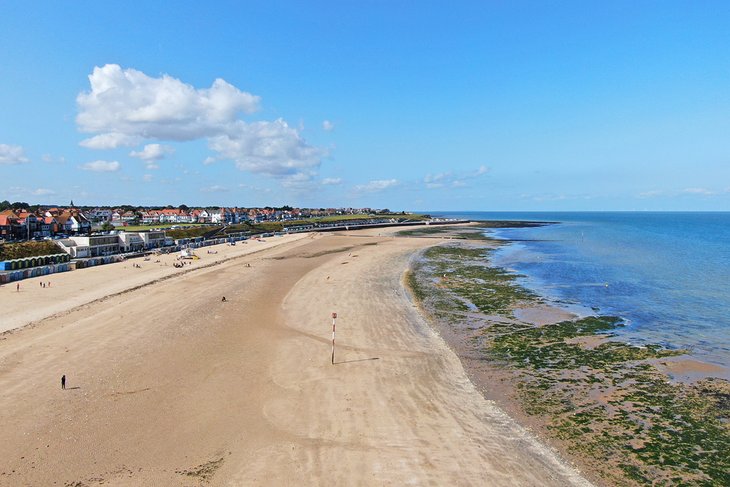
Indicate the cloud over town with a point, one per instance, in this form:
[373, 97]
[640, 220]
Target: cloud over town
[127, 108]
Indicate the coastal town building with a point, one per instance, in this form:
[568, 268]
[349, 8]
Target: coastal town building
[154, 239]
[8, 224]
[60, 222]
[72, 221]
[47, 226]
[130, 242]
[150, 217]
[99, 214]
[90, 246]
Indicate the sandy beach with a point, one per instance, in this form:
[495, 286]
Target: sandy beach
[168, 385]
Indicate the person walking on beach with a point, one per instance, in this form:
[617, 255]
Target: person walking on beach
[63, 381]
[17, 287]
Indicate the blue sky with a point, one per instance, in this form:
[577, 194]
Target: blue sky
[407, 105]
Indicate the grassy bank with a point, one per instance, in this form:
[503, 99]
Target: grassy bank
[22, 250]
[599, 397]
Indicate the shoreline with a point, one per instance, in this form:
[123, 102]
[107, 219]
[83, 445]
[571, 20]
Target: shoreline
[167, 384]
[689, 368]
[463, 328]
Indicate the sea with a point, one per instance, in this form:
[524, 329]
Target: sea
[667, 274]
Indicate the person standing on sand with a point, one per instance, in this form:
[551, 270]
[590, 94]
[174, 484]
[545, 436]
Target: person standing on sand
[63, 381]
[17, 287]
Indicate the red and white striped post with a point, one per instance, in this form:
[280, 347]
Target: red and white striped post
[334, 317]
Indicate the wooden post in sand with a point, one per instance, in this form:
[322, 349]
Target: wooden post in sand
[334, 317]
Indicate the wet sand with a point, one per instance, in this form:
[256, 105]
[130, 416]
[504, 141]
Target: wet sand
[684, 369]
[167, 385]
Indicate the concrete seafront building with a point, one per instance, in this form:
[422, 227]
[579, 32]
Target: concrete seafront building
[155, 239]
[90, 246]
[130, 242]
[79, 247]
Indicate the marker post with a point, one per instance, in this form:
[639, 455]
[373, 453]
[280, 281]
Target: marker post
[334, 317]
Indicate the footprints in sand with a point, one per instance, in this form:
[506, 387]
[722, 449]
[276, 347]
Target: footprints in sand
[203, 472]
[126, 393]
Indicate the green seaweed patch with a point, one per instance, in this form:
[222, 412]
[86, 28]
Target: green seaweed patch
[512, 224]
[542, 347]
[463, 233]
[464, 272]
[614, 408]
[441, 305]
[717, 393]
[456, 252]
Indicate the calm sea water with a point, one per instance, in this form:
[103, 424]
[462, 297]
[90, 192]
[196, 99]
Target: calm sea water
[666, 274]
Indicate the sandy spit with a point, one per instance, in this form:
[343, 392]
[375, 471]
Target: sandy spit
[168, 385]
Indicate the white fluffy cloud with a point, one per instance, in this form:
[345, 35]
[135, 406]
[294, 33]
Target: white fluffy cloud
[270, 148]
[328, 126]
[331, 181]
[12, 154]
[111, 140]
[100, 166]
[126, 107]
[43, 192]
[153, 152]
[126, 103]
[376, 185]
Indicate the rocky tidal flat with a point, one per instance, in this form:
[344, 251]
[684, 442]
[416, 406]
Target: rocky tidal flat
[601, 400]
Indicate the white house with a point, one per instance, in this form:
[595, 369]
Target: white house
[100, 214]
[79, 224]
[130, 242]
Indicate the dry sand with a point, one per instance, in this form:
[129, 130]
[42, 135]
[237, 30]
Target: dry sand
[167, 385]
[69, 290]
